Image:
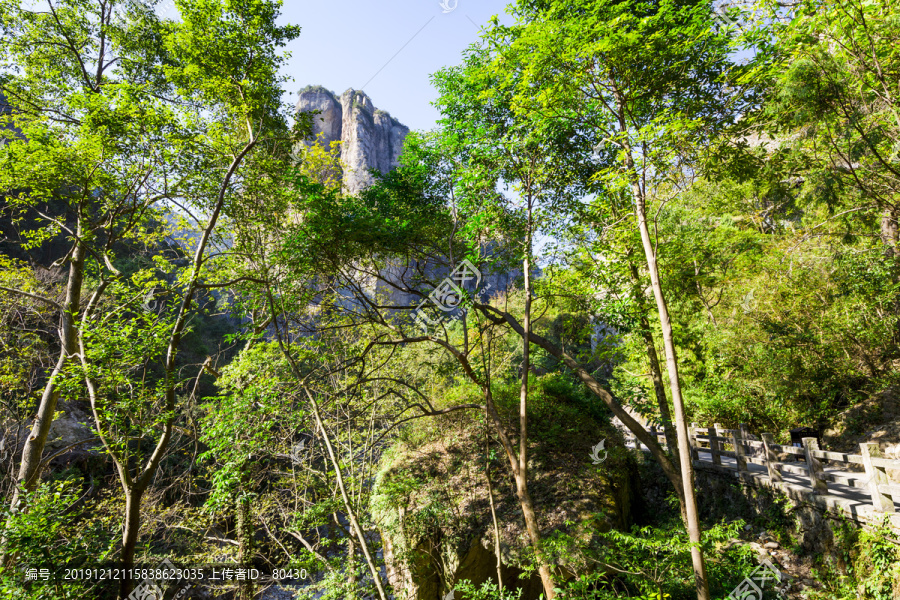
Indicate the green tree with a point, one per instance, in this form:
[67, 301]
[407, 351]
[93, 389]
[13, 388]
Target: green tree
[830, 77]
[89, 167]
[222, 58]
[648, 82]
[151, 110]
[514, 174]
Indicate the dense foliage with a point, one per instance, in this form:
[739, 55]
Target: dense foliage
[211, 353]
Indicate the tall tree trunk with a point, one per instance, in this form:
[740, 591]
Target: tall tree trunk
[351, 566]
[669, 469]
[497, 551]
[490, 487]
[29, 468]
[521, 474]
[130, 531]
[522, 493]
[34, 445]
[684, 451]
[135, 491]
[245, 541]
[351, 514]
[653, 358]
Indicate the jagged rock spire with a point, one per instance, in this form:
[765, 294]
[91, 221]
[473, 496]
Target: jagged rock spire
[370, 138]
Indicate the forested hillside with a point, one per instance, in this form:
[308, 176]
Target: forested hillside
[233, 366]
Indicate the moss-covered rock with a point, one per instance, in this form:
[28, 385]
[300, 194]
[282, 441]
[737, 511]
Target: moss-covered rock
[432, 505]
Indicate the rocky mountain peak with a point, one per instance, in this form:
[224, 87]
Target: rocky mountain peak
[370, 138]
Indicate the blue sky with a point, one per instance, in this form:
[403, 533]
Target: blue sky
[351, 44]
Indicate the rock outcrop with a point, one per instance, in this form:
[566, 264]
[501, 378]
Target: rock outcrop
[4, 105]
[370, 138]
[433, 511]
[5, 110]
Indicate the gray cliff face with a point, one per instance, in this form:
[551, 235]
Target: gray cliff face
[370, 138]
[5, 110]
[326, 125]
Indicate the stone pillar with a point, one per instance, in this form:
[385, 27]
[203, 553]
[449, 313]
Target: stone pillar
[877, 475]
[772, 463]
[739, 451]
[816, 473]
[714, 445]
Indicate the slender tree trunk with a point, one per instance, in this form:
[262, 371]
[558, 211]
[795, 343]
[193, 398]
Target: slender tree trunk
[490, 487]
[29, 468]
[487, 467]
[659, 389]
[130, 532]
[497, 551]
[653, 358]
[521, 474]
[34, 445]
[245, 539]
[522, 493]
[145, 476]
[351, 566]
[890, 229]
[684, 452]
[534, 533]
[351, 514]
[669, 469]
[132, 488]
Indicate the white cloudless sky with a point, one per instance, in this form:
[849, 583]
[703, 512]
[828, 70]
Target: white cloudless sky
[388, 49]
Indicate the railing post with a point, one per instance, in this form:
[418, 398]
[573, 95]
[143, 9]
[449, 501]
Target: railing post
[714, 443]
[745, 431]
[695, 443]
[771, 458]
[738, 451]
[883, 503]
[816, 474]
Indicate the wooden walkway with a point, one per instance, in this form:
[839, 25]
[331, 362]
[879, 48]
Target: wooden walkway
[863, 487]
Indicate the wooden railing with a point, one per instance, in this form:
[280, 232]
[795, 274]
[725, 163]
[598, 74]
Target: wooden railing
[748, 448]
